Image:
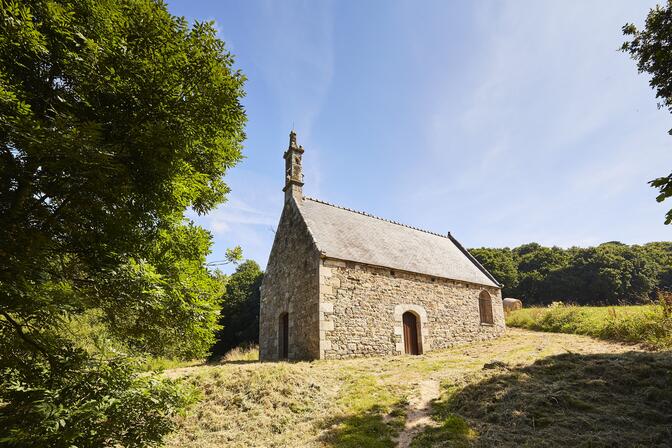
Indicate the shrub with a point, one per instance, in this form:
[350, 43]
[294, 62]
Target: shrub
[98, 403]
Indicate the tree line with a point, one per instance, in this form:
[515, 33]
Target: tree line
[239, 318]
[610, 273]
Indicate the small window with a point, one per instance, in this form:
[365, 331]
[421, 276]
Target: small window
[283, 336]
[485, 307]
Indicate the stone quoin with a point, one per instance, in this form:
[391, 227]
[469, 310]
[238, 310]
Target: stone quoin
[341, 283]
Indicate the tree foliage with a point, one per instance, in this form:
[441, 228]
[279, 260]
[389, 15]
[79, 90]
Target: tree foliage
[240, 309]
[115, 118]
[501, 263]
[610, 273]
[650, 47]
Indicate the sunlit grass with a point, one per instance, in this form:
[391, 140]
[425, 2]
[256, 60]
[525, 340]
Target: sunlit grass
[570, 399]
[350, 403]
[644, 324]
[242, 354]
[371, 412]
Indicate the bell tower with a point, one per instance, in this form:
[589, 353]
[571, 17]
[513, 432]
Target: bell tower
[293, 170]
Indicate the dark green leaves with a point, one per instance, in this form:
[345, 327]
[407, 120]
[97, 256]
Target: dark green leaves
[115, 118]
[650, 47]
[240, 309]
[610, 273]
[90, 402]
[664, 185]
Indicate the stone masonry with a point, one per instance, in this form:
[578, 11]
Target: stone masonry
[345, 279]
[361, 308]
[291, 285]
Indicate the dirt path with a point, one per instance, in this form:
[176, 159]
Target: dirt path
[418, 415]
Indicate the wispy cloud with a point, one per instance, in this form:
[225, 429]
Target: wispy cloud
[543, 131]
[504, 122]
[287, 53]
[234, 213]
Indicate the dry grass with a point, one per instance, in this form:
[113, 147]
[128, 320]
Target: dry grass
[577, 400]
[362, 402]
[241, 354]
[254, 405]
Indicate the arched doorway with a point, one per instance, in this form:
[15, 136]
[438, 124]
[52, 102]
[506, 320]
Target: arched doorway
[411, 333]
[283, 336]
[485, 308]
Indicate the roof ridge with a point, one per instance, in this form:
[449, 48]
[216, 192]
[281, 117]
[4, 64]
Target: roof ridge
[377, 217]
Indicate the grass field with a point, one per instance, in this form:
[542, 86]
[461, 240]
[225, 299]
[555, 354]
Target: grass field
[645, 324]
[524, 389]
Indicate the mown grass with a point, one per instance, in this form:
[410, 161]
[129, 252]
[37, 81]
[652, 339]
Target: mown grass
[578, 400]
[254, 405]
[363, 402]
[369, 414]
[649, 325]
[453, 431]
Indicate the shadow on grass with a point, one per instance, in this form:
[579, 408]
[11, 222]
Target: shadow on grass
[602, 400]
[374, 428]
[232, 363]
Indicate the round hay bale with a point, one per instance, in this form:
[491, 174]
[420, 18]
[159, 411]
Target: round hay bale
[511, 304]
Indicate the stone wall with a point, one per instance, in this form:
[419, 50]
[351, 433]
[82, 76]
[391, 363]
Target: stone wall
[361, 310]
[290, 285]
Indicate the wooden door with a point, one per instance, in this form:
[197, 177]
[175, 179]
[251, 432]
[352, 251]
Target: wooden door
[284, 336]
[411, 346]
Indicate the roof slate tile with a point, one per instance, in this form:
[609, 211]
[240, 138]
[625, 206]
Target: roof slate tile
[351, 235]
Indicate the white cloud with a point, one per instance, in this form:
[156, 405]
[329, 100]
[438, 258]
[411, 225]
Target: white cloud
[236, 212]
[554, 129]
[287, 52]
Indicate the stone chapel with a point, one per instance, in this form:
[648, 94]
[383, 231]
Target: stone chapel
[341, 283]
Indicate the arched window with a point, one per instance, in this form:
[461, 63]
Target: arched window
[485, 307]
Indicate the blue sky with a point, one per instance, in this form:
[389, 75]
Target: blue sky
[502, 122]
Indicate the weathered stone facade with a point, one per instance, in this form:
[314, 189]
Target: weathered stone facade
[327, 290]
[291, 285]
[361, 308]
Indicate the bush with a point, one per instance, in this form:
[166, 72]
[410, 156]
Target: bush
[98, 403]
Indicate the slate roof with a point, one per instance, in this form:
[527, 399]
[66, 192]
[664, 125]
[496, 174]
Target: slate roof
[350, 235]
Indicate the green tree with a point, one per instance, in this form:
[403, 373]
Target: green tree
[240, 309]
[115, 118]
[535, 264]
[502, 264]
[610, 273]
[660, 255]
[650, 47]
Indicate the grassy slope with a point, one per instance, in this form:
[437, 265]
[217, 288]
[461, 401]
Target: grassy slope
[644, 324]
[547, 390]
